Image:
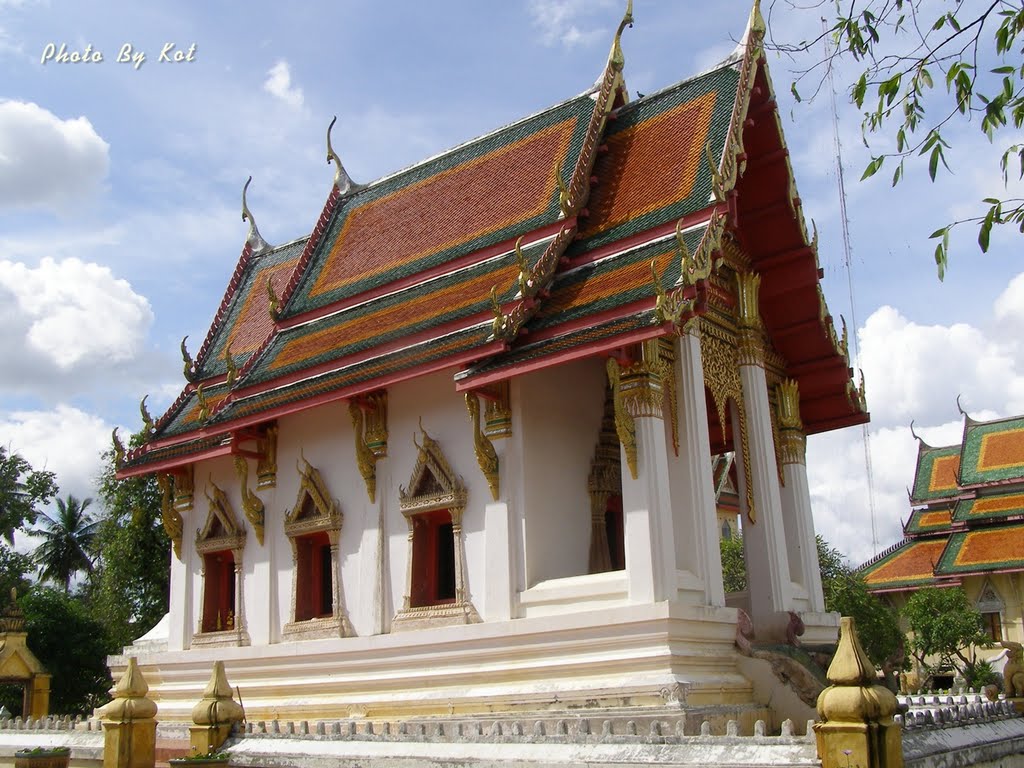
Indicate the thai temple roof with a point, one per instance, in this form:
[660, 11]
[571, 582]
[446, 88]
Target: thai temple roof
[525, 248]
[968, 511]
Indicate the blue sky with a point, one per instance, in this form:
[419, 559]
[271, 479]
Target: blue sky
[120, 199]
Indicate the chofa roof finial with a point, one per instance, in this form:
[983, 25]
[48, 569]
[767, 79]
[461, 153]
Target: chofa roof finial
[342, 180]
[616, 58]
[960, 408]
[912, 432]
[254, 238]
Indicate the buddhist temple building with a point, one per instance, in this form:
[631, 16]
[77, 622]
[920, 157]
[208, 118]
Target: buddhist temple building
[966, 526]
[451, 451]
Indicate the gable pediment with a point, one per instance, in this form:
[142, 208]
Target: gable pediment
[314, 509]
[433, 484]
[221, 530]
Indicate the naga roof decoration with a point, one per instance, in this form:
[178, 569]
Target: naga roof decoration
[575, 231]
[968, 498]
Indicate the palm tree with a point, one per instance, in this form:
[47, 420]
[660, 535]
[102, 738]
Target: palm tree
[67, 545]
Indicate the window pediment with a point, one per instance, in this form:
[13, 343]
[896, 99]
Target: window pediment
[221, 530]
[433, 484]
[314, 509]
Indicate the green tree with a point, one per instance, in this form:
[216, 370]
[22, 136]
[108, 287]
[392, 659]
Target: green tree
[901, 48]
[68, 538]
[734, 569]
[131, 584]
[946, 628]
[23, 491]
[73, 645]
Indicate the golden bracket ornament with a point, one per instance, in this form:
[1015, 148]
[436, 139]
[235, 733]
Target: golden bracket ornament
[564, 203]
[252, 506]
[486, 456]
[172, 520]
[625, 427]
[366, 459]
[204, 405]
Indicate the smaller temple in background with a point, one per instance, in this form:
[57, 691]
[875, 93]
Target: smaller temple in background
[966, 527]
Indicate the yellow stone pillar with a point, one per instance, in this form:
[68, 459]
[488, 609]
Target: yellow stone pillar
[214, 715]
[857, 727]
[129, 727]
[39, 696]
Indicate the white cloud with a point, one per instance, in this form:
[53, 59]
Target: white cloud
[558, 22]
[68, 314]
[64, 440]
[913, 373]
[279, 85]
[46, 162]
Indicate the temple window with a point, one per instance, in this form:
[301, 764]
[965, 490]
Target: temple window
[313, 526]
[433, 559]
[218, 591]
[220, 543]
[314, 598]
[436, 592]
[991, 606]
[993, 626]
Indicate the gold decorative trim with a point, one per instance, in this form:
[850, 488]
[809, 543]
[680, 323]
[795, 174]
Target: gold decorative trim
[229, 363]
[433, 484]
[172, 520]
[625, 427]
[184, 488]
[266, 465]
[666, 353]
[273, 302]
[605, 481]
[204, 406]
[375, 409]
[720, 361]
[365, 457]
[497, 410]
[486, 456]
[117, 448]
[147, 420]
[792, 441]
[219, 512]
[252, 506]
[751, 340]
[679, 305]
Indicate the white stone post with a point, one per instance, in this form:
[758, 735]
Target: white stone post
[646, 501]
[764, 537]
[796, 498]
[693, 492]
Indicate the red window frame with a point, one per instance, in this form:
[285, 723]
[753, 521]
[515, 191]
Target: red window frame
[433, 559]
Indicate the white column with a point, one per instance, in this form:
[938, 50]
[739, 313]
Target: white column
[646, 500]
[764, 538]
[693, 492]
[796, 498]
[499, 535]
[182, 622]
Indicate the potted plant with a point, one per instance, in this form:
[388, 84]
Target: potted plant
[193, 761]
[42, 757]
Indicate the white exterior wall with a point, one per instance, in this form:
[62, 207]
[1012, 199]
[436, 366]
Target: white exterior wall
[561, 412]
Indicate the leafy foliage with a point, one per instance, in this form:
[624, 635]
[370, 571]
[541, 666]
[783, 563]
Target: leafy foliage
[68, 539]
[130, 588]
[904, 46]
[23, 491]
[945, 626]
[734, 572]
[73, 646]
